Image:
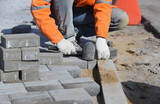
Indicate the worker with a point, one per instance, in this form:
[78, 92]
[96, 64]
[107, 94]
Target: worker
[62, 20]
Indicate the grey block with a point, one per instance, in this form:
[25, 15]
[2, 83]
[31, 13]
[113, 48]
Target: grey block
[29, 65]
[21, 29]
[31, 53]
[9, 77]
[113, 52]
[10, 54]
[54, 75]
[43, 68]
[75, 71]
[92, 64]
[50, 58]
[87, 83]
[74, 96]
[43, 85]
[29, 75]
[20, 40]
[8, 66]
[4, 99]
[12, 88]
[77, 61]
[31, 98]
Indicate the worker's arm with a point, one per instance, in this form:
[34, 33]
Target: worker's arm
[41, 12]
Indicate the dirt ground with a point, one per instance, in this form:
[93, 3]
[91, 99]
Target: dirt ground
[138, 64]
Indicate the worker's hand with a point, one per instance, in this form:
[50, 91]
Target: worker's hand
[66, 47]
[102, 48]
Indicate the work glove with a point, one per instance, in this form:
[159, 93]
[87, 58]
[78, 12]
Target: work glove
[66, 47]
[102, 48]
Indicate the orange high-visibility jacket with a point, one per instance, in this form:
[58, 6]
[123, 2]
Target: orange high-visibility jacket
[41, 13]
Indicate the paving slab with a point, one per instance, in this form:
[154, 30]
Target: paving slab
[54, 75]
[8, 66]
[4, 99]
[50, 58]
[43, 68]
[20, 40]
[113, 53]
[31, 98]
[9, 77]
[31, 53]
[75, 71]
[12, 88]
[77, 61]
[111, 87]
[76, 96]
[87, 83]
[42, 85]
[29, 65]
[10, 54]
[92, 64]
[150, 10]
[21, 29]
[29, 75]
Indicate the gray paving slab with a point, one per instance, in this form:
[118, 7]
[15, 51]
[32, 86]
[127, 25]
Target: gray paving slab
[50, 58]
[54, 75]
[78, 95]
[20, 40]
[12, 88]
[77, 61]
[29, 75]
[30, 53]
[10, 54]
[29, 65]
[21, 29]
[75, 71]
[87, 83]
[31, 98]
[92, 64]
[113, 53]
[8, 66]
[150, 10]
[43, 68]
[42, 85]
[4, 99]
[9, 76]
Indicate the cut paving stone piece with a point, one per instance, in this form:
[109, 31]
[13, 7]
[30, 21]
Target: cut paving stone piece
[4, 99]
[92, 64]
[29, 65]
[80, 96]
[88, 84]
[21, 29]
[43, 68]
[50, 58]
[9, 77]
[20, 40]
[111, 87]
[75, 71]
[12, 88]
[8, 66]
[31, 98]
[31, 53]
[10, 54]
[54, 75]
[77, 61]
[29, 75]
[113, 52]
[43, 85]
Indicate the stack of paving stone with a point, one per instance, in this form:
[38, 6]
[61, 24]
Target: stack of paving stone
[19, 54]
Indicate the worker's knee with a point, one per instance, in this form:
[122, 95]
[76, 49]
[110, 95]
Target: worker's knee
[120, 18]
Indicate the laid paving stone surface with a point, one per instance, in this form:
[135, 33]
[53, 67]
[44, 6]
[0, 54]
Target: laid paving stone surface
[12, 88]
[54, 75]
[31, 98]
[76, 96]
[87, 83]
[4, 99]
[50, 58]
[75, 71]
[43, 68]
[20, 40]
[77, 61]
[42, 85]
